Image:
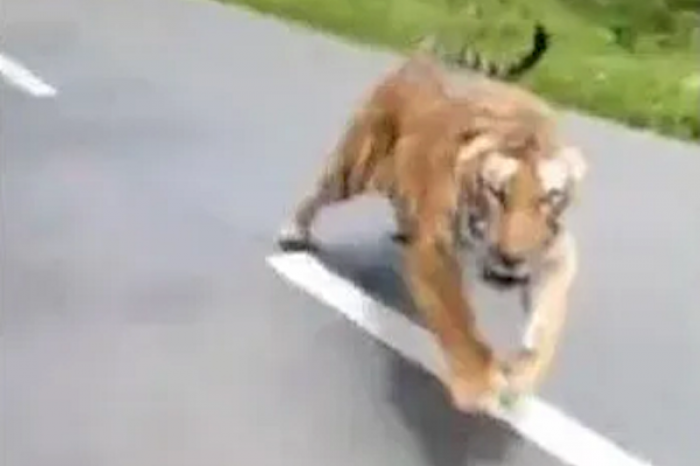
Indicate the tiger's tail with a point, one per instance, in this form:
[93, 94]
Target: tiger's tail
[473, 60]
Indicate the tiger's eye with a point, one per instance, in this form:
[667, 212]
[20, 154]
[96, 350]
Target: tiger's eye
[554, 201]
[554, 196]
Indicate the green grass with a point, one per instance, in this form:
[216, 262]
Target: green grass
[635, 61]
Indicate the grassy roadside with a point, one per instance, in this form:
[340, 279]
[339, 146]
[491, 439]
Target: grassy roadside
[635, 61]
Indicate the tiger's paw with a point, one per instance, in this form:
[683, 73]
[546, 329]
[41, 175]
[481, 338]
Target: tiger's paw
[291, 238]
[488, 395]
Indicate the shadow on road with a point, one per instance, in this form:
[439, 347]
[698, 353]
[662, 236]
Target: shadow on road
[447, 437]
[373, 265]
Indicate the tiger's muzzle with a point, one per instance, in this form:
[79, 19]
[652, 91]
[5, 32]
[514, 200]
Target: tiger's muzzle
[506, 271]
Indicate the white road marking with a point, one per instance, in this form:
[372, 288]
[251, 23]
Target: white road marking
[548, 427]
[24, 79]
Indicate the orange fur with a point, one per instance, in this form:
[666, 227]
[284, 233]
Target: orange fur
[408, 143]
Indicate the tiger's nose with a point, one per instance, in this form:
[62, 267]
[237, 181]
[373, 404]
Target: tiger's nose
[509, 260]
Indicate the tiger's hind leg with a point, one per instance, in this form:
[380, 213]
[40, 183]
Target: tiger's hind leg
[296, 235]
[402, 220]
[347, 175]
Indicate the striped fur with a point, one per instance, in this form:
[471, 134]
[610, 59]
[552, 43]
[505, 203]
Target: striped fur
[471, 59]
[425, 144]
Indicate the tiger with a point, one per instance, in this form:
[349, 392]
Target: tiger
[473, 169]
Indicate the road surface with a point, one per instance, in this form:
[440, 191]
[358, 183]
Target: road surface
[142, 325]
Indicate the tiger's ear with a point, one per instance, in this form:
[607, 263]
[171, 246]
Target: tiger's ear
[575, 162]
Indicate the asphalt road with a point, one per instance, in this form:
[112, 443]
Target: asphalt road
[142, 326]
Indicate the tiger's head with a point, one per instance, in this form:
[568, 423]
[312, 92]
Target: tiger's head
[516, 208]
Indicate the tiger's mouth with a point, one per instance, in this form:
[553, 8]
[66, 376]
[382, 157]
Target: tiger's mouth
[501, 278]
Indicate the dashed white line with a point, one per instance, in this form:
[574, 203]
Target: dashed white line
[22, 78]
[549, 428]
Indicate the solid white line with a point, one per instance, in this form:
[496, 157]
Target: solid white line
[549, 428]
[24, 79]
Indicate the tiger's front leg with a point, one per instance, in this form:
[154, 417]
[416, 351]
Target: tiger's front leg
[474, 377]
[548, 316]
